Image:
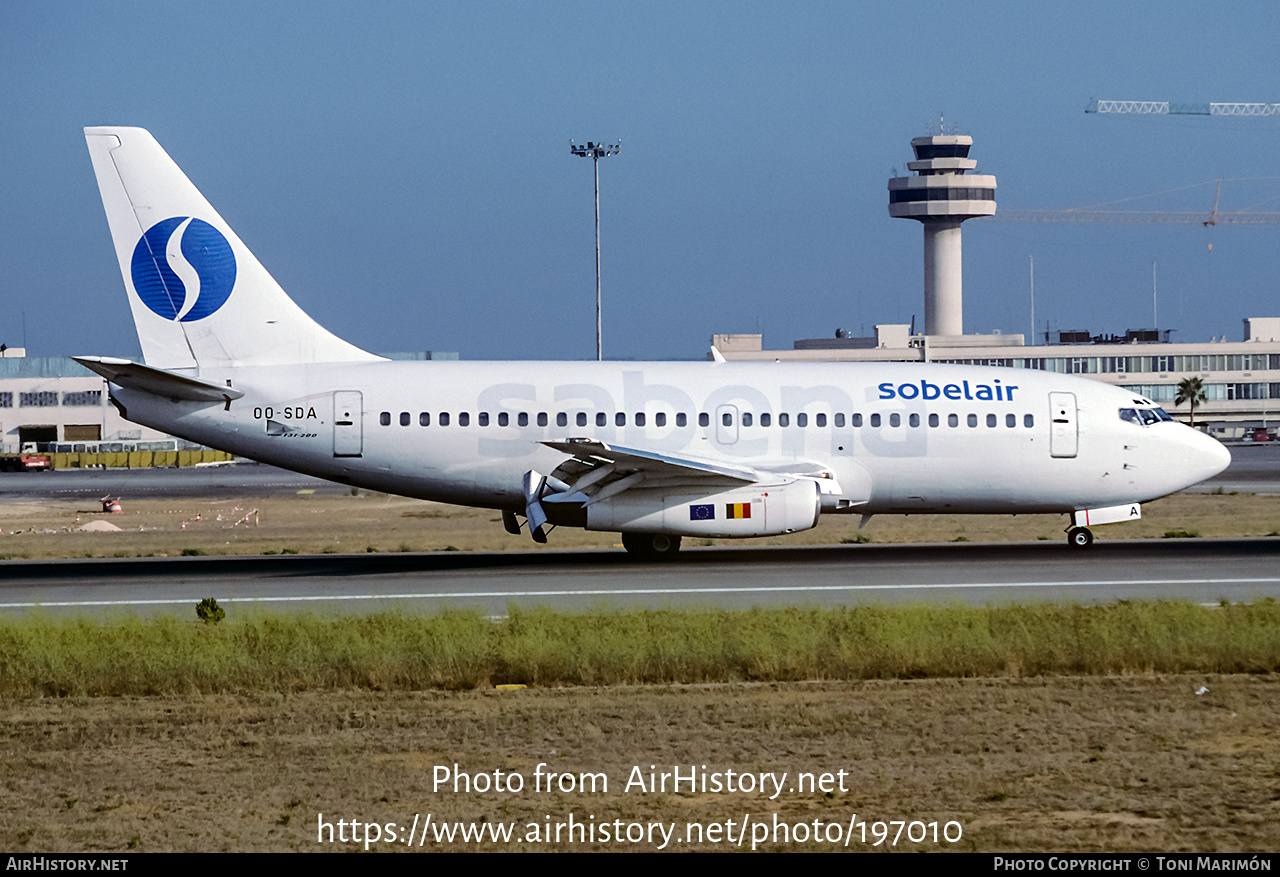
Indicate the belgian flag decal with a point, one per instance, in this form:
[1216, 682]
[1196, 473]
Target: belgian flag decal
[737, 510]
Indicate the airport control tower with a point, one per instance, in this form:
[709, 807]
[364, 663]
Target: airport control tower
[941, 196]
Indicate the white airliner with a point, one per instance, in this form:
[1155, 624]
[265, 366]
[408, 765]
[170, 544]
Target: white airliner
[655, 451]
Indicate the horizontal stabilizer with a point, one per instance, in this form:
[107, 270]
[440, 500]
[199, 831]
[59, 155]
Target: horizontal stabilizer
[157, 381]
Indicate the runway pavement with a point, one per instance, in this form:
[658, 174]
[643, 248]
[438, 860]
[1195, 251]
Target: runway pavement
[1204, 571]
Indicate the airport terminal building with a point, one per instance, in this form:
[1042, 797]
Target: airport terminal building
[48, 399]
[1241, 378]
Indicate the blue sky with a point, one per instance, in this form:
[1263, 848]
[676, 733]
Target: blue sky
[403, 168]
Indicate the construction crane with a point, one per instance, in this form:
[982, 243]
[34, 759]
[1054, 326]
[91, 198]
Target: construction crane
[1212, 218]
[1089, 214]
[1205, 219]
[1172, 108]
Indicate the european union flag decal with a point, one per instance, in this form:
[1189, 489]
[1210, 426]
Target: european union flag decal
[702, 512]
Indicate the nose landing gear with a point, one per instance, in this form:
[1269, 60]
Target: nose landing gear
[1079, 537]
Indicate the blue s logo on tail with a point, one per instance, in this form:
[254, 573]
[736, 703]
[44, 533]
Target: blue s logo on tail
[183, 269]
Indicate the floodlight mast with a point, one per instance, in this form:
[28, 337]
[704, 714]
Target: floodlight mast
[596, 151]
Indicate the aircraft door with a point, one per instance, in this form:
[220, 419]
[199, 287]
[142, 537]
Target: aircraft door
[727, 424]
[348, 423]
[1063, 425]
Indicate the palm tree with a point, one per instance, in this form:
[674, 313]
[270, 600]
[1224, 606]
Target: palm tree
[1191, 390]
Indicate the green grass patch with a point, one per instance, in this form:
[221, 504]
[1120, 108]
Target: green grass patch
[256, 651]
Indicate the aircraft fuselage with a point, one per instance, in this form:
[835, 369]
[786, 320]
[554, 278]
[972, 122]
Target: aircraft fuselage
[894, 437]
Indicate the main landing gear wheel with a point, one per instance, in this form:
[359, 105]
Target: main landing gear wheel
[1079, 537]
[651, 545]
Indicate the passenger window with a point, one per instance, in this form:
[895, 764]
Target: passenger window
[875, 419]
[424, 419]
[953, 420]
[802, 419]
[914, 420]
[1011, 420]
[619, 419]
[972, 420]
[482, 419]
[856, 420]
[385, 418]
[464, 419]
[562, 419]
[601, 420]
[443, 419]
[820, 420]
[704, 419]
[542, 418]
[895, 419]
[522, 419]
[404, 418]
[726, 419]
[933, 420]
[503, 419]
[639, 421]
[784, 420]
[839, 420]
[991, 420]
[681, 419]
[660, 419]
[746, 418]
[766, 419]
[582, 418]
[1028, 420]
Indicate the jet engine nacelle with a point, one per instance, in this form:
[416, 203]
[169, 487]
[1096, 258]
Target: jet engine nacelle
[758, 510]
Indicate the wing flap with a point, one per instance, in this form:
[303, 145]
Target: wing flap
[625, 461]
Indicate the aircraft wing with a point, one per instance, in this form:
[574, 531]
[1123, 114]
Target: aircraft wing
[594, 454]
[170, 385]
[596, 471]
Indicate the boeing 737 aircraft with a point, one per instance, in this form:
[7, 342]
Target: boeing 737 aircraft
[654, 451]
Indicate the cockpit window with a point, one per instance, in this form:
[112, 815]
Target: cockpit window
[1144, 416]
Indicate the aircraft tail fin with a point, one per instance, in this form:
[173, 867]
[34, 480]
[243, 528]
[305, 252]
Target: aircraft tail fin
[199, 297]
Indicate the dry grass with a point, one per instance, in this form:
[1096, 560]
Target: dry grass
[315, 524]
[1054, 764]
[293, 652]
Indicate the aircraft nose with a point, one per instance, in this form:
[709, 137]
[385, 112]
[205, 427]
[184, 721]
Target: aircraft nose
[1207, 456]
